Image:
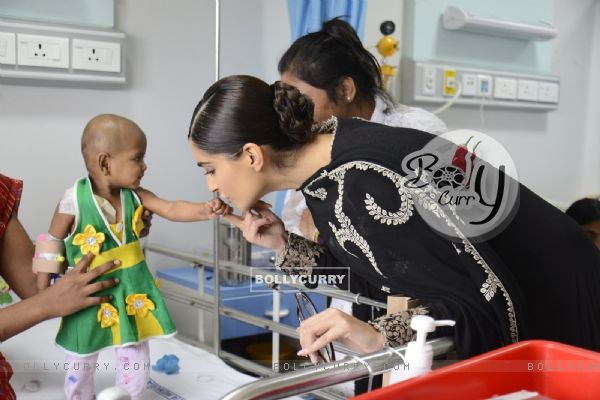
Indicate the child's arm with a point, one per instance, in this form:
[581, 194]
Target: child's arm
[59, 228]
[183, 211]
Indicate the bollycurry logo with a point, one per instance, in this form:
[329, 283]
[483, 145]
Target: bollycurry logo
[463, 184]
[267, 279]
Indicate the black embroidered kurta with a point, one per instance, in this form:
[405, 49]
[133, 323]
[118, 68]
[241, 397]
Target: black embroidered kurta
[538, 278]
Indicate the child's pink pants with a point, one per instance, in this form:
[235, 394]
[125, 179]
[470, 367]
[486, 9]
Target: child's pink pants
[133, 371]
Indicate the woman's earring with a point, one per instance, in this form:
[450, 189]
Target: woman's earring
[348, 99]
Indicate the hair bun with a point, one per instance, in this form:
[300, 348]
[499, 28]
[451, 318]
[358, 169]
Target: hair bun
[294, 113]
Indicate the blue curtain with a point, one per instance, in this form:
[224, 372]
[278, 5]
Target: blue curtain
[308, 15]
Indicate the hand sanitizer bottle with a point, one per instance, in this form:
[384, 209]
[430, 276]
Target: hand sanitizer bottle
[418, 357]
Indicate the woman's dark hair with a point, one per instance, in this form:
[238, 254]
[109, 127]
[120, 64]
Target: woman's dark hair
[324, 58]
[584, 211]
[241, 109]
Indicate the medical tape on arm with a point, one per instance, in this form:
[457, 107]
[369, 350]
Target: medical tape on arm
[49, 254]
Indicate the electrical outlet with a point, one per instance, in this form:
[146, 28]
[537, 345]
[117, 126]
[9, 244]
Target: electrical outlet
[449, 82]
[469, 85]
[8, 53]
[528, 90]
[505, 88]
[548, 92]
[42, 51]
[429, 78]
[484, 86]
[96, 56]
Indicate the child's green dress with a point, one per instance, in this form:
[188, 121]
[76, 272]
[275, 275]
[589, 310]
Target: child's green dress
[137, 310]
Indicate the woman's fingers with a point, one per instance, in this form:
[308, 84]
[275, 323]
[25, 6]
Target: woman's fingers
[147, 219]
[84, 263]
[101, 269]
[307, 338]
[320, 342]
[97, 286]
[255, 224]
[320, 330]
[92, 301]
[234, 220]
[266, 212]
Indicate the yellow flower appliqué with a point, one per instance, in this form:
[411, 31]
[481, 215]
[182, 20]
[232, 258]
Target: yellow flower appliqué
[139, 304]
[107, 315]
[89, 241]
[138, 223]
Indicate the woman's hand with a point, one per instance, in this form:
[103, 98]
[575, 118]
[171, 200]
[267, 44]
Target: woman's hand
[70, 294]
[73, 291]
[261, 226]
[147, 219]
[335, 325]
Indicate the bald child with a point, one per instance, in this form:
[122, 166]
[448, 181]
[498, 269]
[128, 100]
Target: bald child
[101, 215]
[113, 148]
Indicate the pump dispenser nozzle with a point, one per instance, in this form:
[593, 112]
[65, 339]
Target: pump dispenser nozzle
[423, 324]
[418, 357]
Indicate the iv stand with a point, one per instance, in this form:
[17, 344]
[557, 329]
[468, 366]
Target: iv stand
[216, 235]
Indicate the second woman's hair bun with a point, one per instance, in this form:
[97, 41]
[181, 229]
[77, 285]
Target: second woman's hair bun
[294, 113]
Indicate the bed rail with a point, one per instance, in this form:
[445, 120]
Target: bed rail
[317, 377]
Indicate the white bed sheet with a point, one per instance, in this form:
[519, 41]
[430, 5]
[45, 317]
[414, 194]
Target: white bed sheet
[33, 355]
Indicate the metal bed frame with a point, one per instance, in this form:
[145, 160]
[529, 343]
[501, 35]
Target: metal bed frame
[279, 385]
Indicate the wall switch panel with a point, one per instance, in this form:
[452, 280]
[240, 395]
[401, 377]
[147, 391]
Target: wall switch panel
[429, 82]
[8, 54]
[469, 85]
[429, 78]
[56, 52]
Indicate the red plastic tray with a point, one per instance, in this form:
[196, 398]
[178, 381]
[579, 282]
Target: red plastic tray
[554, 370]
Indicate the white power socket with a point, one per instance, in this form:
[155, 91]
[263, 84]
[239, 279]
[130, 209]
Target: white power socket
[96, 56]
[528, 90]
[548, 92]
[505, 88]
[42, 51]
[8, 54]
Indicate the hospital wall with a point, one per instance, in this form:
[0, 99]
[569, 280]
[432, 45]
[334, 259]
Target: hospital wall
[170, 63]
[557, 153]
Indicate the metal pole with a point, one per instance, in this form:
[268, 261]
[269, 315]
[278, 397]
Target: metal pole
[216, 239]
[317, 377]
[244, 269]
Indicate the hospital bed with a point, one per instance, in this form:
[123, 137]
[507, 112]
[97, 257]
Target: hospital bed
[39, 373]
[205, 372]
[274, 385]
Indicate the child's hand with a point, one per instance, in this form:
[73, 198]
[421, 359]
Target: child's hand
[218, 207]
